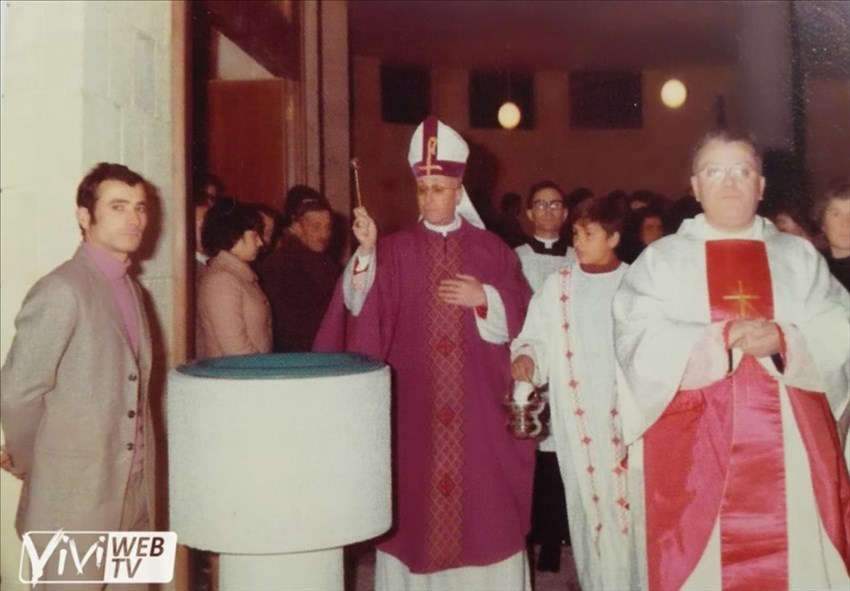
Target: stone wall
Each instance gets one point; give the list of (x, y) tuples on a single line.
[(83, 82)]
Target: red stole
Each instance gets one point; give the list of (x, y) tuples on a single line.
[(717, 452), (445, 366)]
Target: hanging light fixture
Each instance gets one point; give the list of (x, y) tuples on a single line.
[(509, 113), (674, 93)]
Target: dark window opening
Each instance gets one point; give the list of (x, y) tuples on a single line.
[(606, 100), (405, 94)]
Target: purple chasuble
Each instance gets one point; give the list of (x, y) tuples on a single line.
[(462, 483)]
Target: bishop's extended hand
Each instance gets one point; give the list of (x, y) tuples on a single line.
[(464, 291), (365, 230)]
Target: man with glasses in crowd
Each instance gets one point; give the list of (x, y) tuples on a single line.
[(543, 253), (733, 342)]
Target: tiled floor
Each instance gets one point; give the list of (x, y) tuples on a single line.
[(360, 571)]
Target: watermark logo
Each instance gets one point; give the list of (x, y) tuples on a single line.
[(98, 557)]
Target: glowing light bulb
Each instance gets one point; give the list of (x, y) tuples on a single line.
[(509, 115), (674, 93)]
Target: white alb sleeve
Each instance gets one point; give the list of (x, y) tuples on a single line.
[(357, 280), (493, 328)]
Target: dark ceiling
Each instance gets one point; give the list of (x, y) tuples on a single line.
[(607, 34)]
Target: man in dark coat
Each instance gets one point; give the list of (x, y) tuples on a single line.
[(299, 277)]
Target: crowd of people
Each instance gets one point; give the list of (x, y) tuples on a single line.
[(695, 356), (649, 215), (263, 278), (699, 398)]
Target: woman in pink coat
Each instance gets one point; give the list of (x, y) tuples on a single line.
[(234, 317)]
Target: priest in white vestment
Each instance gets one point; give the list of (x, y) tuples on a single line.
[(543, 253), (733, 342), (567, 340)]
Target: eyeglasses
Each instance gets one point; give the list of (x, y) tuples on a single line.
[(716, 173), (543, 205), (438, 190)]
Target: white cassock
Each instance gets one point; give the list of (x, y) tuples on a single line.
[(568, 332), (668, 349), (540, 258)]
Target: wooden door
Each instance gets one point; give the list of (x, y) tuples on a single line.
[(247, 138)]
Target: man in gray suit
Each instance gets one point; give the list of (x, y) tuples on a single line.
[(74, 389)]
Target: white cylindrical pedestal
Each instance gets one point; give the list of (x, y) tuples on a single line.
[(318, 571), (277, 461)]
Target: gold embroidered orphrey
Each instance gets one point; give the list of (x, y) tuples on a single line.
[(432, 151)]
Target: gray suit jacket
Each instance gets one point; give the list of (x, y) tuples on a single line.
[(68, 398)]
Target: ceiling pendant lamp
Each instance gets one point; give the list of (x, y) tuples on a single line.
[(509, 115), (674, 93)]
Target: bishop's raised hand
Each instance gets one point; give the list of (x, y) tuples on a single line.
[(365, 230)]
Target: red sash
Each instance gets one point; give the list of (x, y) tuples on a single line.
[(717, 452), (753, 526)]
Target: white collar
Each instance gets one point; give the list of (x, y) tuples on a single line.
[(699, 226), (444, 230), (547, 242)]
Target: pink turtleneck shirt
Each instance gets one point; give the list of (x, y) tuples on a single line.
[(115, 272)]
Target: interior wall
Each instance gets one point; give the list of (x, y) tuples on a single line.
[(657, 156), (827, 131), (335, 111), (83, 82)]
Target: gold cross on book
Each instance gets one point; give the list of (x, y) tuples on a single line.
[(743, 299)]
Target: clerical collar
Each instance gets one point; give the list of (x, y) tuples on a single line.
[(704, 228), (612, 265), (553, 247), (444, 230)]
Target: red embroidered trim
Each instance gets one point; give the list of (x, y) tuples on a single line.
[(616, 432), (358, 269)]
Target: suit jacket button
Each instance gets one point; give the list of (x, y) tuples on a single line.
[(131, 414), (133, 377), (129, 447)]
